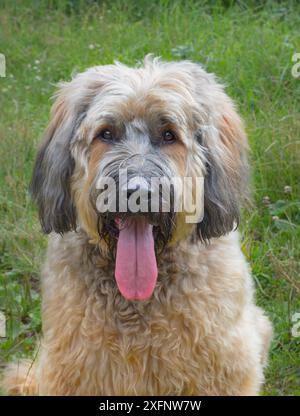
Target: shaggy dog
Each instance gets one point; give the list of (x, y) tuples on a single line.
[(144, 303)]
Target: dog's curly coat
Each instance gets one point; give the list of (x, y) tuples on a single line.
[(200, 332)]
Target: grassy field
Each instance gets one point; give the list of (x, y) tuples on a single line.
[(250, 48)]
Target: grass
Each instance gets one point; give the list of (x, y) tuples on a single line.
[(249, 47)]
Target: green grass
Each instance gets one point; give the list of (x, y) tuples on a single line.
[(250, 48)]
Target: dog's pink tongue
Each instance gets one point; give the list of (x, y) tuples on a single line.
[(136, 268)]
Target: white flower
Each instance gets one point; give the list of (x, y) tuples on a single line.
[(266, 200), (287, 189)]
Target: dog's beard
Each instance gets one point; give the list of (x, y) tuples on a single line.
[(134, 242), (163, 226)]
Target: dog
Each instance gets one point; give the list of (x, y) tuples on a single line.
[(137, 302)]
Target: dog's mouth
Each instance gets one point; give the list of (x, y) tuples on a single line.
[(135, 240), (136, 266)]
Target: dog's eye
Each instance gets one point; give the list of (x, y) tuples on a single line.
[(106, 135), (168, 136)]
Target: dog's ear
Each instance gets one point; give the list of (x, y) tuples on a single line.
[(226, 181), (50, 185), (54, 166)]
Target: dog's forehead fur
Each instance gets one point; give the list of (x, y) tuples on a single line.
[(181, 93)]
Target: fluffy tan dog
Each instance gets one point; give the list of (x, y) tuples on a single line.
[(135, 303)]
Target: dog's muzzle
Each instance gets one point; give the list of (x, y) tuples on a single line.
[(135, 217)]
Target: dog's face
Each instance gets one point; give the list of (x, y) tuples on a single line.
[(163, 120)]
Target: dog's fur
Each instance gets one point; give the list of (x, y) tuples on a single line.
[(200, 332)]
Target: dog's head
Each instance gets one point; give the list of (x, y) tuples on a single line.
[(116, 136)]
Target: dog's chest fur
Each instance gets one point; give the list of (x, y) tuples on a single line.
[(140, 347)]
